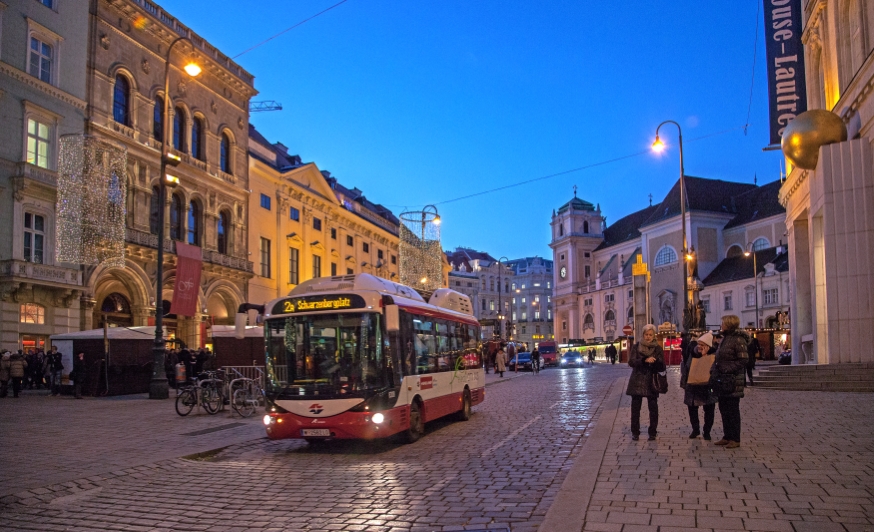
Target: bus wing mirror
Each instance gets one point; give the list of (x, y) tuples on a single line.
[(392, 318)]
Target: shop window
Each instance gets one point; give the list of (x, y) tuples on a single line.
[(32, 313)]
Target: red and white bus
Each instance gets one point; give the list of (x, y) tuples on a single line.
[(358, 356)]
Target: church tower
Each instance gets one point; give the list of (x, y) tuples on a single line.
[(577, 229)]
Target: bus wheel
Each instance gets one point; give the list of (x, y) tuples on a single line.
[(464, 413), (417, 425)]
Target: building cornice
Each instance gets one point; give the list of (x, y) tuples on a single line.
[(793, 182), (25, 78)]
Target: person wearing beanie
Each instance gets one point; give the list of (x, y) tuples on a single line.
[(697, 396)]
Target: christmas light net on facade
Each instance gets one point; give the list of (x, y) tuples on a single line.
[(92, 188), (421, 255)]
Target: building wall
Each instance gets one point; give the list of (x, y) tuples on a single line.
[(131, 43), (829, 223), (30, 188)]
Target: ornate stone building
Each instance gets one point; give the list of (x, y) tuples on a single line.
[(209, 132), (305, 224), (43, 58), (829, 207), (593, 261), (531, 300), (480, 276)]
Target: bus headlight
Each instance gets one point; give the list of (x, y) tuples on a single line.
[(378, 418), (268, 420)]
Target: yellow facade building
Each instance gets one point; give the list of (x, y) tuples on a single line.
[(304, 224)]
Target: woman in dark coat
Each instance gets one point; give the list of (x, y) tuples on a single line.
[(697, 396), (646, 359), (731, 361)]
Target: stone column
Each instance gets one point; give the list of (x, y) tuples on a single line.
[(800, 277), (86, 321)]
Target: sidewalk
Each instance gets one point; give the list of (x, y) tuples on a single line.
[(806, 464)]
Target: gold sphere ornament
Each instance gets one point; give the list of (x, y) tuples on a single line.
[(807, 132)]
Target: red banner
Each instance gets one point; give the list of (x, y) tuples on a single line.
[(186, 289)]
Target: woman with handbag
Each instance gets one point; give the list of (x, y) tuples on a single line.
[(697, 393), (727, 378), (646, 359)]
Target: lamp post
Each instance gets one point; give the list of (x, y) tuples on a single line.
[(500, 302), (747, 253), (158, 387), (658, 146)]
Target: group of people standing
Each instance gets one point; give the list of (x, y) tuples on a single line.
[(195, 362), (730, 365), (37, 370)]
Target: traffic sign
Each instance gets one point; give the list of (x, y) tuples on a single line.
[(627, 330)]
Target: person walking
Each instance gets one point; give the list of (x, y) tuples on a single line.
[(17, 371), (611, 353), (696, 396), (646, 359), (55, 367), (753, 349), (500, 362), (78, 374), (729, 366), (5, 364)]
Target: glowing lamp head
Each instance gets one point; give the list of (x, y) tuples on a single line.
[(746, 253), (689, 256), (437, 220), (423, 280), (192, 69), (658, 146)]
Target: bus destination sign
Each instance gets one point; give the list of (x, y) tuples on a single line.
[(293, 305)]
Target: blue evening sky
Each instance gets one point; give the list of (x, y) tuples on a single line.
[(422, 102)]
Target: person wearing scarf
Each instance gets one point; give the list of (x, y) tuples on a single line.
[(646, 359)]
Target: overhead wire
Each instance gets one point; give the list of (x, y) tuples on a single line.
[(286, 30)]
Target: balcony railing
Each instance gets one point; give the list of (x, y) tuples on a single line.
[(40, 272), (149, 240)]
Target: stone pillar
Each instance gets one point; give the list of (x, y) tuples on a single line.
[(86, 320), (800, 277)]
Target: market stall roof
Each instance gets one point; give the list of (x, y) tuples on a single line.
[(224, 331), (145, 332)]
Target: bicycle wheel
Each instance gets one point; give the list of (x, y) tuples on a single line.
[(244, 402), (211, 399), (185, 401)]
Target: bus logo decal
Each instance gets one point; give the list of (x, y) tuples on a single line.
[(316, 408), (426, 383)]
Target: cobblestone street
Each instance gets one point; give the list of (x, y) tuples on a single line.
[(503, 468)]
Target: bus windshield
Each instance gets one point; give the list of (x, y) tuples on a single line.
[(325, 354)]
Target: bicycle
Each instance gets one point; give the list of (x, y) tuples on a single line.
[(246, 396), (206, 393)]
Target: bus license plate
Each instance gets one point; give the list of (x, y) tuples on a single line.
[(324, 433)]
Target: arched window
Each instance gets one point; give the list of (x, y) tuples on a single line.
[(223, 231), (153, 211), (225, 154), (734, 251), (586, 227), (176, 214), (197, 139), (115, 302), (630, 315), (760, 244), (158, 119), (588, 322), (610, 316), (193, 224), (179, 129), (852, 45), (666, 255), (121, 100), (560, 229)]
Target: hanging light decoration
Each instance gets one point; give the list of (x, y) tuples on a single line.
[(92, 188), (420, 252)]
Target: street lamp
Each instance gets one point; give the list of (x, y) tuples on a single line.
[(158, 387), (750, 251), (500, 303), (658, 146)]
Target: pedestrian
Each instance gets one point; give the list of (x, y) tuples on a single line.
[(55, 367), (646, 359), (17, 371), (5, 365), (753, 349), (729, 366), (697, 396), (78, 374), (500, 362), (611, 353)]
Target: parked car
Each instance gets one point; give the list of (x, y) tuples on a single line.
[(571, 358), (524, 359)]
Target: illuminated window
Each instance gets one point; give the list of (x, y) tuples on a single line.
[(32, 313), (760, 244), (293, 266), (265, 257), (38, 143), (666, 255), (317, 266)]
